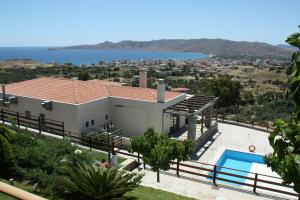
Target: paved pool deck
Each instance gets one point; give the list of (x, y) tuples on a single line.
[(235, 138), (229, 137), (198, 188)]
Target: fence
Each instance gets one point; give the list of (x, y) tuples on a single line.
[(212, 173), (38, 123), (106, 141), (253, 180), (248, 124)]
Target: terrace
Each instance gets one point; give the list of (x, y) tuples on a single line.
[(196, 178)]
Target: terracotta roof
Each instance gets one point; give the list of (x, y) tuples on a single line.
[(78, 92), (143, 94), (182, 89)]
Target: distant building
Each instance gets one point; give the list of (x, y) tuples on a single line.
[(135, 80)]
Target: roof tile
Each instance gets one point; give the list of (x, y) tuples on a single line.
[(78, 92)]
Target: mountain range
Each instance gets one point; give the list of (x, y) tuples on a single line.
[(219, 47), (286, 46)]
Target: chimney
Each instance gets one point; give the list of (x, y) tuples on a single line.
[(161, 91), (143, 78)]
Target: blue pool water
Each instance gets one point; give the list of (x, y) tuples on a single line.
[(239, 161)]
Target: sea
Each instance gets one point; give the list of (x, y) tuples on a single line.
[(78, 57)]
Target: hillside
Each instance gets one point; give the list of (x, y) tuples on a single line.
[(209, 46), (286, 46)]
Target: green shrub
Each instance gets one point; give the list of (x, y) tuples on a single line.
[(85, 181), (39, 159), (6, 153)]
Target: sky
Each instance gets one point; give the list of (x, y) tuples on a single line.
[(73, 22)]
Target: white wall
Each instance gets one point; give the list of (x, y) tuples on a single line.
[(132, 116), (94, 110), (162, 125), (181, 121), (60, 111)]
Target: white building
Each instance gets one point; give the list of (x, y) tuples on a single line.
[(83, 105)]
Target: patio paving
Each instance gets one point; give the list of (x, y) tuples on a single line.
[(229, 137)]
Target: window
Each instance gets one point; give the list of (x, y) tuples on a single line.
[(42, 118), (87, 124), (92, 122), (27, 113)]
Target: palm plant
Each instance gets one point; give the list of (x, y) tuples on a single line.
[(84, 181)]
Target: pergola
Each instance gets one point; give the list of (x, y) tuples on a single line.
[(191, 108)]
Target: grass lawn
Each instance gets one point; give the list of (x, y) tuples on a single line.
[(5, 197), (140, 193), (23, 186), (148, 193)]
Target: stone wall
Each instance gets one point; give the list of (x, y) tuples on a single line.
[(206, 136)]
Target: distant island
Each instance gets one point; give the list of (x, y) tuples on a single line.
[(219, 47)]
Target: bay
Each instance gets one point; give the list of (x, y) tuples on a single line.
[(42, 54)]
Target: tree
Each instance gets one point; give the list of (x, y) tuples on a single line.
[(223, 86), (158, 150), (83, 75), (247, 97), (6, 153), (83, 181), (293, 72), (226, 89), (285, 139)]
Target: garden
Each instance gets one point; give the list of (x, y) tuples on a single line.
[(57, 169)]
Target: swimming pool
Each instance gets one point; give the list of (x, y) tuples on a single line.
[(239, 161)]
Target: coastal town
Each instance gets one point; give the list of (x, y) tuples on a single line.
[(150, 100)]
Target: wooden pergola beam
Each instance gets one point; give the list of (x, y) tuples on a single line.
[(192, 105)]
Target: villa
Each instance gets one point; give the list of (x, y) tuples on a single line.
[(84, 106)]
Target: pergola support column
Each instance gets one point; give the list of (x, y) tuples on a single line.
[(208, 116), (192, 127), (202, 120)]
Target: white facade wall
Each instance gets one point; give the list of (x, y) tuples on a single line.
[(94, 110), (162, 125), (132, 116), (60, 111), (182, 121)]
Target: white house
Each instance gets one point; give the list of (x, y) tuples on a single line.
[(83, 105)]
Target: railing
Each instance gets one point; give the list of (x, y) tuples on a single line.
[(213, 172), (252, 124), (57, 128), (34, 122), (106, 141)]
